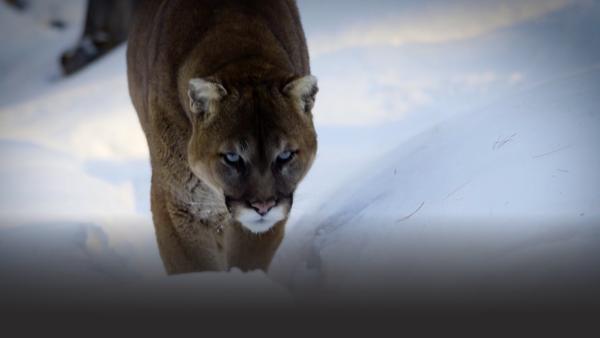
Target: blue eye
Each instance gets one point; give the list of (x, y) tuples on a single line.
[(232, 157), (285, 156)]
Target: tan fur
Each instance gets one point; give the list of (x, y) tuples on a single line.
[(207, 78)]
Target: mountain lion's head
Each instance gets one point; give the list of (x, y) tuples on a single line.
[(252, 144)]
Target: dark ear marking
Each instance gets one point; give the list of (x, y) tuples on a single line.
[(303, 91)]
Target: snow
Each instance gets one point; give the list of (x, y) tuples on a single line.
[(452, 157), (509, 193)]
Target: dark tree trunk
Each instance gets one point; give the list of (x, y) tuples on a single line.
[(19, 4), (106, 26)]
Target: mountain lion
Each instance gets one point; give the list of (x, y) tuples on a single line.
[(224, 95)]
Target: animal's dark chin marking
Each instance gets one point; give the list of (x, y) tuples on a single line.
[(227, 202)]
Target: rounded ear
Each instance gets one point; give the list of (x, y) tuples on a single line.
[(303, 91), (204, 95)]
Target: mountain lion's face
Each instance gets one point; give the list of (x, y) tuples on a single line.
[(253, 145)]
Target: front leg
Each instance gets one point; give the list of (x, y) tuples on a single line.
[(201, 240), (184, 245), (174, 258)]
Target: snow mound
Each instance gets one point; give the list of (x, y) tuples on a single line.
[(506, 196)]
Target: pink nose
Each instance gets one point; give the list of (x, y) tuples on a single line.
[(263, 207)]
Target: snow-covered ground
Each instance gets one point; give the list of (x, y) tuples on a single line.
[(458, 146)]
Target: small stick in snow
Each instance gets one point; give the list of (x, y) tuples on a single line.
[(552, 152), (411, 214), (500, 143), (457, 189)]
